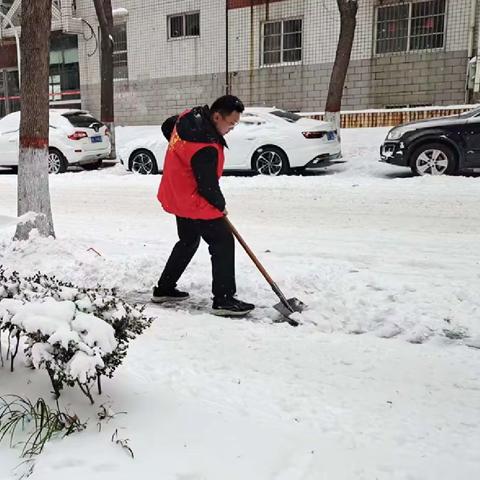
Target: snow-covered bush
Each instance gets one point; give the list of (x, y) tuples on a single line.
[(75, 334)]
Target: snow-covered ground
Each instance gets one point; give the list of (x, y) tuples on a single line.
[(382, 381)]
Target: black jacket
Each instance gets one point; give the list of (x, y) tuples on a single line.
[(196, 126)]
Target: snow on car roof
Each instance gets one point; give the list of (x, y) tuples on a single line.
[(260, 109), (67, 111)]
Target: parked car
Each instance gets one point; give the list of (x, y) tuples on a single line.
[(75, 138), (438, 146), (268, 141)]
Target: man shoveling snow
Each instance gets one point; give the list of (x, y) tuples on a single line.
[(190, 190)]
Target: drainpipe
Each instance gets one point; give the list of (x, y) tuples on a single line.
[(471, 30), (251, 60), (227, 46), (471, 39), (476, 87)]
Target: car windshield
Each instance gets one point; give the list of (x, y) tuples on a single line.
[(287, 116), (81, 119), (250, 119), (10, 122)]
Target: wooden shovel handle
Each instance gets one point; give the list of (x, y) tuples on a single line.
[(260, 267), (247, 249)]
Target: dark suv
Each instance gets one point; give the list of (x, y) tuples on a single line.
[(435, 146)]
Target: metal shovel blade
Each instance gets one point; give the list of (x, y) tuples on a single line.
[(294, 305)]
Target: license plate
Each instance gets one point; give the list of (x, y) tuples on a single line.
[(97, 139), (331, 136)]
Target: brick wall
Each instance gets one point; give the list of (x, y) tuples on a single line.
[(436, 79), (142, 102)]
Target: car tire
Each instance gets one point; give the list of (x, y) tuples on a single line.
[(271, 161), (143, 162), (298, 170), (434, 159), (93, 166), (57, 163)]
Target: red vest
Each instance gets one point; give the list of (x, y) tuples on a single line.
[(178, 187)]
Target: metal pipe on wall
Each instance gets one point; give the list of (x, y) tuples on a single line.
[(476, 87), (472, 25), (471, 40), (227, 71)]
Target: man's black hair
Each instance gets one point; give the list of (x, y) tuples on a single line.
[(226, 105)]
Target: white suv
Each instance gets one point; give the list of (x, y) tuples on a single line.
[(75, 138)]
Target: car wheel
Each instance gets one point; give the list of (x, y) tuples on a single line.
[(298, 170), (434, 159), (270, 161), (143, 162), (57, 163), (93, 166)]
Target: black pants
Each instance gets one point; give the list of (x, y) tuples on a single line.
[(221, 246)]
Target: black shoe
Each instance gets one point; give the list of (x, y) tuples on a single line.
[(230, 307), (170, 295)]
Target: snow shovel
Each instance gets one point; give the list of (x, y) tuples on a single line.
[(285, 307)]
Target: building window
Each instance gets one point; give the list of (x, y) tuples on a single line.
[(428, 25), (64, 71), (120, 56), (55, 88), (185, 25), (282, 42), (411, 26)]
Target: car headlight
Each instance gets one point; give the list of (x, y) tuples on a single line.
[(398, 132)]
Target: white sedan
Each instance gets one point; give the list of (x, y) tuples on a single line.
[(75, 138), (268, 141)]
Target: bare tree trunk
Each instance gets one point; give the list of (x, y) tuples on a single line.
[(348, 17), (105, 19), (33, 187)]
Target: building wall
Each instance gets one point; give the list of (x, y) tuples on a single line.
[(166, 76), (436, 77)]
